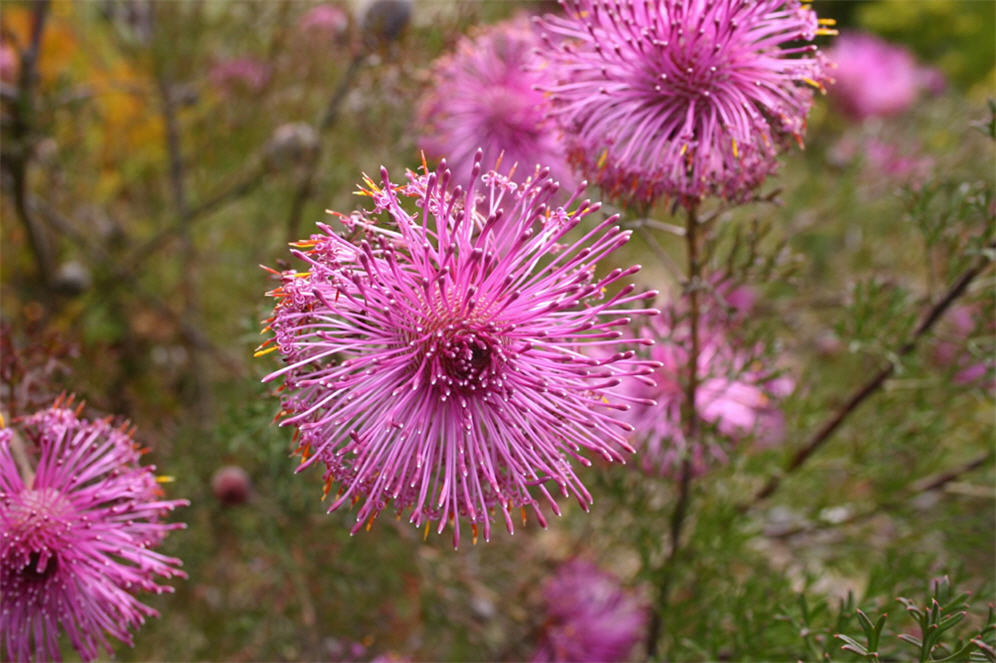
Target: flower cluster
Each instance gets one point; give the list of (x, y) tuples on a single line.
[(681, 98), (240, 75), (77, 533), (961, 346), (734, 395), (483, 95), (590, 616), (873, 78), (436, 357)]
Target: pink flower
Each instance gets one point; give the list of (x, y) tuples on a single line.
[(883, 159), (735, 396), (680, 98), (9, 63), (874, 78), (243, 75), (952, 349), (482, 95), (76, 542), (326, 21), (590, 617), (434, 353)]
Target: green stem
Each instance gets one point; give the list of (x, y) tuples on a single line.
[(690, 428)]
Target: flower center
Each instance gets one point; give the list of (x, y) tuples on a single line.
[(37, 519), (465, 360), (36, 571)]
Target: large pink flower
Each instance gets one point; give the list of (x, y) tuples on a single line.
[(483, 95), (434, 356), (680, 98), (77, 538)]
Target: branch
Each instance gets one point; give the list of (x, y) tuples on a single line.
[(239, 189), (824, 433), (925, 485), (21, 130), (325, 122), (690, 426), (659, 251), (98, 255)]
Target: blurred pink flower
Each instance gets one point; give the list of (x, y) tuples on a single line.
[(240, 75), (590, 616), (9, 63), (874, 78), (883, 159), (932, 80), (951, 348), (328, 21), (77, 538), (483, 96), (735, 395)]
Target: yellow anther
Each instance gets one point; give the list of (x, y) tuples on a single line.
[(736, 152), (265, 351), (603, 158), (815, 84), (827, 21), (165, 478)]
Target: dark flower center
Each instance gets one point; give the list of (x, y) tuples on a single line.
[(36, 572)]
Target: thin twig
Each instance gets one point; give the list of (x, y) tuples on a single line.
[(925, 485), (659, 251), (238, 189), (825, 431), (98, 254), (325, 122), (657, 225), (201, 396), (21, 129)]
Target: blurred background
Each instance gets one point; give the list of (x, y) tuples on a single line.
[(156, 153)]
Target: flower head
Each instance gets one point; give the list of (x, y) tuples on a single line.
[(873, 78), (328, 21), (243, 74), (964, 345), (590, 616), (435, 357), (681, 98), (734, 396), (483, 96), (77, 537)]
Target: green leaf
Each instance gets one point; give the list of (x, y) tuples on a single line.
[(951, 620), (852, 644)]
